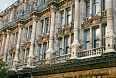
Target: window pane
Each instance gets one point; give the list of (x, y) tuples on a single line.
[(68, 16), (66, 45), (104, 5), (44, 49), (95, 7), (96, 37), (87, 35), (87, 8), (60, 47), (87, 46), (62, 19), (87, 39)]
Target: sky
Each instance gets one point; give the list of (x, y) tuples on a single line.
[(5, 3)]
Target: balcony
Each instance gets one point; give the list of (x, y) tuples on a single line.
[(61, 59), (103, 14), (91, 53)]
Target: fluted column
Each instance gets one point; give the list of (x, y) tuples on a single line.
[(6, 46), (110, 36), (76, 43), (3, 43), (50, 51), (16, 59), (32, 46)]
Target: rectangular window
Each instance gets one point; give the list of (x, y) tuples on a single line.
[(62, 19), (87, 8), (68, 16), (95, 7), (87, 39), (30, 31), (44, 50), (42, 24), (104, 5), (72, 37), (73, 14), (39, 51), (47, 25), (66, 44), (96, 37), (60, 47)]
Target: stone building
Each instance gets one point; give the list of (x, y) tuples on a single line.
[(59, 38)]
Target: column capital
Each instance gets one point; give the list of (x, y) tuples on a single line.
[(53, 8), (8, 32), (3, 33), (35, 18), (20, 25)]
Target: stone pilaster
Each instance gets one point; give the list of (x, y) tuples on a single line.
[(91, 38), (41, 52), (32, 46), (50, 51), (76, 43), (91, 8), (16, 58), (100, 7), (110, 36), (6, 46), (3, 43), (1, 22), (26, 6), (100, 39), (63, 48)]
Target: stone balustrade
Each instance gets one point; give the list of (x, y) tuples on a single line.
[(104, 13), (91, 53), (60, 59)]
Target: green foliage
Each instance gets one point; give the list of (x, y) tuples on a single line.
[(4, 73)]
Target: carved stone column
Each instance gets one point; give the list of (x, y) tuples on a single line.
[(6, 46), (50, 51), (3, 43), (75, 43), (16, 58), (110, 36), (32, 46)]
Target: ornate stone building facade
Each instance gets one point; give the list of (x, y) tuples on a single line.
[(59, 38)]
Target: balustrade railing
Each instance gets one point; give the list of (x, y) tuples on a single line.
[(60, 59), (91, 53), (104, 13)]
